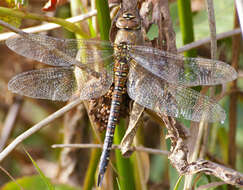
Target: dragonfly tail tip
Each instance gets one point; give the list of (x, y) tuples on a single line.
[(100, 179)]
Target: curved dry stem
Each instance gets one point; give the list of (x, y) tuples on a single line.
[(135, 148), (10, 121), (6, 12), (49, 26), (207, 40), (37, 127)]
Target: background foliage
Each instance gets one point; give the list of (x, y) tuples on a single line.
[(156, 168)]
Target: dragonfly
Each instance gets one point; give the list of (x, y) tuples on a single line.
[(155, 79)]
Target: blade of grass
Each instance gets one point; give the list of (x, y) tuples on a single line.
[(178, 183), (45, 179), (90, 173), (104, 21), (76, 8), (124, 165), (20, 14), (118, 184), (186, 24), (186, 27), (232, 147), (11, 177), (138, 158)]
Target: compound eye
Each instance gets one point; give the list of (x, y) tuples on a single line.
[(128, 16)]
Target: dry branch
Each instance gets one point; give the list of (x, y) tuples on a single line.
[(135, 148), (10, 121), (37, 127), (179, 157), (203, 41)]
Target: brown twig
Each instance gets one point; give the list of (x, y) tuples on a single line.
[(179, 154), (228, 175), (207, 40), (135, 148), (37, 127), (51, 26), (11, 177), (211, 185), (212, 27), (202, 133), (9, 121), (233, 100), (239, 7)]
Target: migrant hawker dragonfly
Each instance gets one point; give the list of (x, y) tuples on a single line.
[(155, 79)]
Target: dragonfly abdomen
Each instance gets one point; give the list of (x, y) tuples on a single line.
[(120, 77)]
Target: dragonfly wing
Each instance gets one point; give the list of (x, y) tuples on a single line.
[(173, 100), (181, 70), (59, 52), (59, 84)]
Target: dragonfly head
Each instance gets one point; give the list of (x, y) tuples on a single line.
[(126, 26), (128, 20)]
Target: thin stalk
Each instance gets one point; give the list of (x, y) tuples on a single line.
[(239, 7), (76, 9), (138, 161), (233, 100), (104, 21), (186, 24), (124, 165), (206, 40), (25, 15), (90, 173), (37, 127), (114, 146), (9, 122), (212, 26)]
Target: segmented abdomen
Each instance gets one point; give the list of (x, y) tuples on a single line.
[(121, 71)]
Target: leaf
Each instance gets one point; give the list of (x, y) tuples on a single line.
[(51, 5), (16, 3), (44, 178), (15, 21), (127, 140), (103, 16), (174, 176), (123, 165), (34, 183), (158, 168), (153, 32), (178, 183), (224, 16)]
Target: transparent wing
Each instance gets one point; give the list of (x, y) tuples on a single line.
[(181, 70), (178, 101), (59, 52), (59, 84)]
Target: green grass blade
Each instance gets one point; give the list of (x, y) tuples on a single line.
[(186, 24), (45, 179), (90, 173), (104, 21), (178, 183), (7, 12), (124, 165)]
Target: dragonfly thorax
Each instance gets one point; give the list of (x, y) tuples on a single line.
[(122, 51), (129, 37)]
